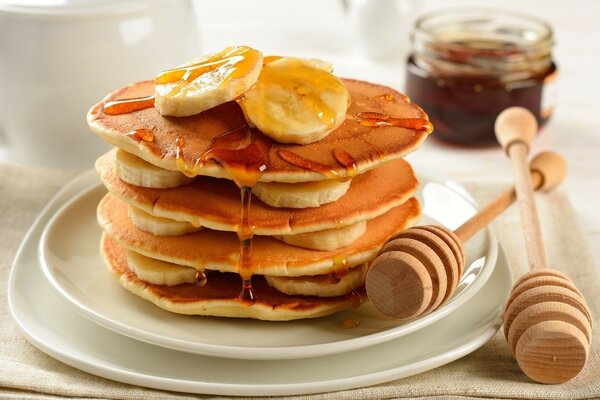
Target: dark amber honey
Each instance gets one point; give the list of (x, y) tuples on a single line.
[(463, 109)]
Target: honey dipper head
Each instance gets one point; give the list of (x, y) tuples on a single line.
[(515, 124), (552, 352), (552, 167), (548, 326), (417, 270), (398, 285)]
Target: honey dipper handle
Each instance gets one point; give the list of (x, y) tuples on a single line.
[(515, 129), (527, 208), (548, 170), (492, 210)]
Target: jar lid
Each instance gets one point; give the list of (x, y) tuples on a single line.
[(72, 7)]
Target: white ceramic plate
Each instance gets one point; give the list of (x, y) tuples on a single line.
[(52, 325), (70, 259)]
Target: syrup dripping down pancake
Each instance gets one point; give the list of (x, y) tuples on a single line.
[(219, 297), (369, 146), (215, 203), (216, 250)]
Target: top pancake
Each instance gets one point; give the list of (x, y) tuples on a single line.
[(368, 146)]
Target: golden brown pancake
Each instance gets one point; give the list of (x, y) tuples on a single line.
[(215, 203), (217, 250), (219, 297), (368, 146)]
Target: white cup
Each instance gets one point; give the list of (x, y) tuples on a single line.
[(59, 57)]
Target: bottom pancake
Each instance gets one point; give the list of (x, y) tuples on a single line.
[(219, 297)]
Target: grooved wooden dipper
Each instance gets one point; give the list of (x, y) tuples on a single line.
[(418, 269), (547, 322)]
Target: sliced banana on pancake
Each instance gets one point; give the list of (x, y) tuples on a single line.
[(219, 296), (320, 285), (159, 272), (159, 226), (296, 101), (315, 62), (138, 172), (300, 195), (329, 239), (207, 81)]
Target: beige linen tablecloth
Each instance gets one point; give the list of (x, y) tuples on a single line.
[(490, 372)]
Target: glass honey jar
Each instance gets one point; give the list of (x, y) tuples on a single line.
[(466, 66)]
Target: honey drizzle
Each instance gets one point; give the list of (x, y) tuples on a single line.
[(349, 323), (355, 298), (375, 119), (306, 164), (244, 153), (387, 97), (126, 106), (145, 135), (347, 161), (201, 279), (340, 269), (245, 235), (270, 59), (232, 63)]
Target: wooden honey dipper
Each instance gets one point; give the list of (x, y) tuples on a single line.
[(547, 322), (418, 269)]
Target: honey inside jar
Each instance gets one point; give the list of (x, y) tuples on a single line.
[(468, 66)]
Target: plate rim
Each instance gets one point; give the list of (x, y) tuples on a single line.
[(90, 183)]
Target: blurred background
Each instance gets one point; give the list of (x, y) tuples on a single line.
[(335, 30), (87, 48)]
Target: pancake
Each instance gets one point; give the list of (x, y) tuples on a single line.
[(215, 203), (217, 250), (368, 146), (329, 239), (219, 297), (321, 285), (153, 271)]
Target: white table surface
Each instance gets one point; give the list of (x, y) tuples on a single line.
[(321, 28)]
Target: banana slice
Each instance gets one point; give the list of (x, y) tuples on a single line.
[(300, 195), (207, 81), (159, 272), (159, 226), (315, 62), (329, 239), (138, 172), (319, 285), (296, 101)]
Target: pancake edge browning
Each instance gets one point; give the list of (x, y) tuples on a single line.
[(290, 308), (166, 158), (280, 221), (278, 258)]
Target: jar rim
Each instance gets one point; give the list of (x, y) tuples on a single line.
[(546, 35), (482, 43)]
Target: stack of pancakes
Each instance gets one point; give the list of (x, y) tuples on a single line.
[(319, 212)]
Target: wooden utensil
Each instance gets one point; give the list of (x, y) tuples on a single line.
[(419, 269), (547, 322)]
